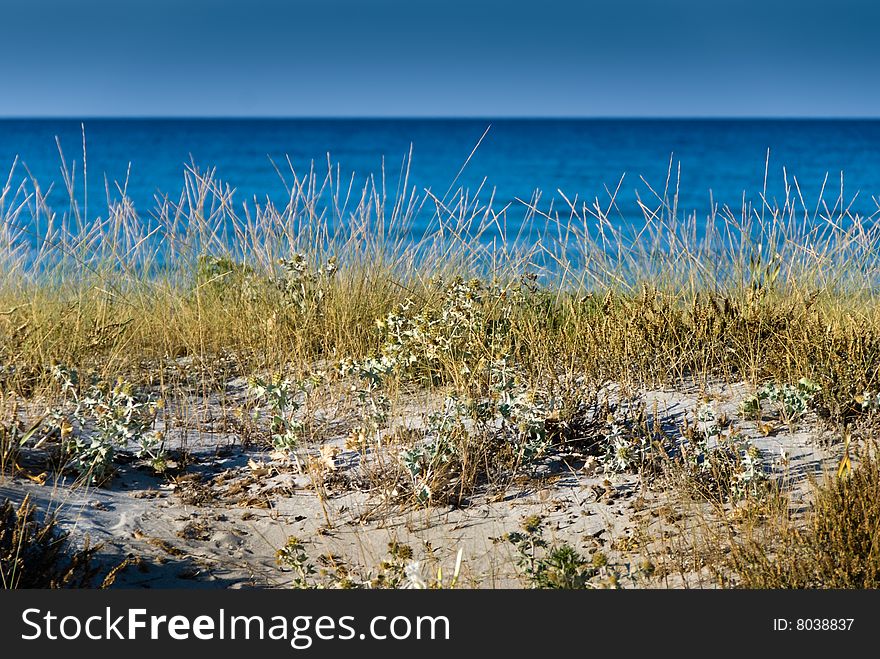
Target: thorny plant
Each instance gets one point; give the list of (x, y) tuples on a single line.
[(709, 454), (730, 469), (632, 442), (292, 556), (106, 418), (373, 405), (556, 565), (302, 287), (793, 401), (509, 422), (498, 413), (717, 461), (460, 323), (285, 399)]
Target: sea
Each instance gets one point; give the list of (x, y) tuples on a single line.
[(702, 164)]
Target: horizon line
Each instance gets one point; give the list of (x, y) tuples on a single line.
[(416, 117)]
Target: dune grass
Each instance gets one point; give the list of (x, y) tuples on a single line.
[(35, 553), (774, 292)]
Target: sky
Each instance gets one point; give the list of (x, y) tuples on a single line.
[(482, 58)]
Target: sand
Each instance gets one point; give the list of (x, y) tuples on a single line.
[(219, 523)]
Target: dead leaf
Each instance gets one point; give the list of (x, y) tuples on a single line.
[(39, 479), (259, 469), (328, 456), (766, 429)]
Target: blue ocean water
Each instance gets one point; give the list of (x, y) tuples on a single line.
[(583, 158)]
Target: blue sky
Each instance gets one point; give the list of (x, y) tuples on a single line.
[(439, 58)]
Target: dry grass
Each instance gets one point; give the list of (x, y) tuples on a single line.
[(770, 293), (835, 544), (35, 553)]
